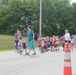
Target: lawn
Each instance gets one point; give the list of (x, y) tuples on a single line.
[(7, 43)]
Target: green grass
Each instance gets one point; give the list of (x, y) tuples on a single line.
[(7, 43)]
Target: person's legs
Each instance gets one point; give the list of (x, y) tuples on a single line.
[(31, 46), (16, 44), (42, 49), (39, 47), (57, 47), (75, 45), (63, 45), (20, 49), (24, 48), (51, 48), (69, 44)]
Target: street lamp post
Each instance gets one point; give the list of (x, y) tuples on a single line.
[(40, 27)]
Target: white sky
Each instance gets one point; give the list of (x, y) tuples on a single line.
[(73, 0)]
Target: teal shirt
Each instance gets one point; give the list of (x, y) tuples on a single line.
[(30, 34)]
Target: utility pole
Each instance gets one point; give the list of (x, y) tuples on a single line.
[(40, 24)]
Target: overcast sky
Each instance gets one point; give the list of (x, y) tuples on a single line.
[(73, 0)]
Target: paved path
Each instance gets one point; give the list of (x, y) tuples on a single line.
[(50, 63)]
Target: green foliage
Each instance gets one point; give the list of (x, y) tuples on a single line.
[(58, 15)]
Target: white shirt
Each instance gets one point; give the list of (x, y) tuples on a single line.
[(67, 36)]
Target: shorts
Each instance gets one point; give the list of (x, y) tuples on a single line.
[(39, 45), (45, 47), (51, 44), (24, 46), (48, 45), (31, 44), (63, 45)]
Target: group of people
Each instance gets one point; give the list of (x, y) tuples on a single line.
[(70, 39), (21, 44), (53, 43), (44, 43), (47, 43)]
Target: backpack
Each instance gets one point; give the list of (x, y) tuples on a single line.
[(35, 36)]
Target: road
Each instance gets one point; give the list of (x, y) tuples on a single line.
[(49, 63)]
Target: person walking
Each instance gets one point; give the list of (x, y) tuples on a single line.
[(31, 39)]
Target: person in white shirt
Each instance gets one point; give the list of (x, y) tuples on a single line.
[(67, 36)]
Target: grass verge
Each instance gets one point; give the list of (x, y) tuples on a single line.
[(7, 43)]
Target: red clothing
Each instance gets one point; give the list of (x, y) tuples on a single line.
[(39, 42), (54, 42)]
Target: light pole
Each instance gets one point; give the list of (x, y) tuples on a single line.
[(40, 24)]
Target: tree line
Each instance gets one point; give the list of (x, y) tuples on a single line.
[(58, 15)]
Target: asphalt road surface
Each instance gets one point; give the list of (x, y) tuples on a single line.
[(49, 63)]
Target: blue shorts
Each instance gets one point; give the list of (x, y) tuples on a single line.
[(31, 44), (49, 45)]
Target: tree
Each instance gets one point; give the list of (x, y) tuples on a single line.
[(58, 15)]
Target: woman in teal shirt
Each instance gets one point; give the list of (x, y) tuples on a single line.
[(31, 39)]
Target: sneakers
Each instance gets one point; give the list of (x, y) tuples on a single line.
[(42, 51), (34, 54), (26, 53)]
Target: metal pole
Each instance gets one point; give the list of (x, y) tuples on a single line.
[(40, 27)]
